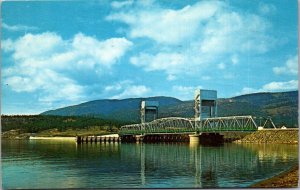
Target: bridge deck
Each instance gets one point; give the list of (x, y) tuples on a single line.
[(173, 125)]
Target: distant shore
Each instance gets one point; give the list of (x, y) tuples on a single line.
[(53, 138), (50, 133), (287, 179)]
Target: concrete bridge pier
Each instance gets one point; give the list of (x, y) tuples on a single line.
[(206, 139), (139, 138), (194, 139), (211, 138)]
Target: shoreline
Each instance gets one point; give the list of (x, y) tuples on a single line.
[(286, 179)]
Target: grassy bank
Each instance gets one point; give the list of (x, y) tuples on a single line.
[(286, 179)]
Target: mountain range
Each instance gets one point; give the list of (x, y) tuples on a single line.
[(282, 107)]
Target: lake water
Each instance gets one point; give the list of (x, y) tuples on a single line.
[(58, 164)]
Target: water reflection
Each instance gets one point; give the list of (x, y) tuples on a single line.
[(68, 165)]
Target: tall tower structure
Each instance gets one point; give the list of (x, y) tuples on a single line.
[(149, 111), (205, 104)]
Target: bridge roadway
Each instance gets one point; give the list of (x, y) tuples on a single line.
[(177, 125)]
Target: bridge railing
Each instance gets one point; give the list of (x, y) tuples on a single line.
[(234, 123), (182, 125), (163, 125)]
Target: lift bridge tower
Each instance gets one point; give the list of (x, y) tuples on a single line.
[(205, 104), (149, 111)]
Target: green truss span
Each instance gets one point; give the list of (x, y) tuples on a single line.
[(173, 125)]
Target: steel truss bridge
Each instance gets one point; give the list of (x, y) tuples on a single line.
[(173, 125)]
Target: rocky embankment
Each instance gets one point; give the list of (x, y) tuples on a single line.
[(288, 179), (288, 136)]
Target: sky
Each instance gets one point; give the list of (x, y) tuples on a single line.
[(60, 53)]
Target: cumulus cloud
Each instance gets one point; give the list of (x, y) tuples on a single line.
[(178, 24), (46, 80), (236, 32), (290, 67), (272, 87), (44, 63), (169, 62), (126, 89), (185, 92), (281, 86), (190, 38)]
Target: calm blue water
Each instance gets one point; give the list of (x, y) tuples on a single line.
[(57, 164)]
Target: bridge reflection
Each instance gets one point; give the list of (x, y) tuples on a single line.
[(207, 165), (179, 165)]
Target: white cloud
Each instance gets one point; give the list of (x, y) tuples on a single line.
[(272, 87), (281, 86), (266, 9), (126, 89), (113, 87), (167, 25), (51, 67), (221, 66), (49, 49), (133, 91), (185, 88), (185, 92), (7, 45), (104, 52), (64, 89), (118, 86), (291, 67), (170, 62), (16, 28), (233, 32), (120, 4), (54, 86), (247, 90), (37, 46), (171, 77), (189, 39)]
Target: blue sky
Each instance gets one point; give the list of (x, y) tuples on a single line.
[(56, 54)]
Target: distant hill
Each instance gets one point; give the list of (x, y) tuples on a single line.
[(281, 106), (120, 109)]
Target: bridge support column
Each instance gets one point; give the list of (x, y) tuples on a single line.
[(211, 139), (194, 139), (139, 138)]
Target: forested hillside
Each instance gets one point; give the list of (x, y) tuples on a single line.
[(282, 107)]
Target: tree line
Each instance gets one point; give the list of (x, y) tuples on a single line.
[(37, 123)]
